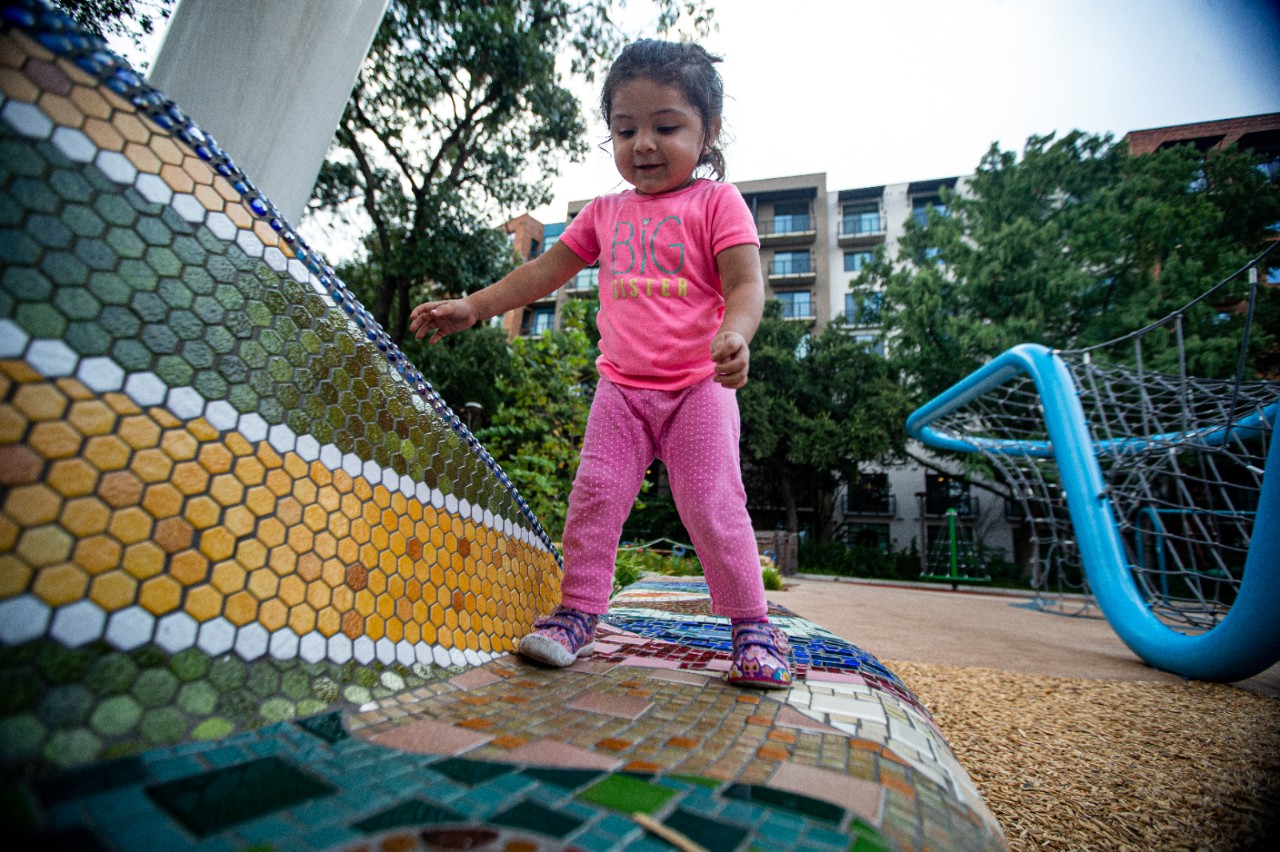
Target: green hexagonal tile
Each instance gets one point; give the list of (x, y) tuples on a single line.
[(154, 687), (116, 716)]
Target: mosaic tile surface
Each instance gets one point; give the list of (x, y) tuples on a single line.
[(258, 584)]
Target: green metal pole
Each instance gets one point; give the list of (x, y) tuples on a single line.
[(951, 533)]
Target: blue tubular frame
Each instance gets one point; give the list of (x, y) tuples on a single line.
[(1246, 641)]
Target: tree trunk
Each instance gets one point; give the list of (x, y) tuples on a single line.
[(789, 501)]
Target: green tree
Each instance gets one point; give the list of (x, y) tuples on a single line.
[(121, 19), (815, 411), (460, 114), (537, 429), (1072, 244)]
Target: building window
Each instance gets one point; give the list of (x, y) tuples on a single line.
[(796, 304), (791, 217), (870, 495), (920, 208), (534, 247), (542, 320), (855, 260), (942, 492), (870, 536), (863, 307), (790, 263), (585, 281), (859, 219), (872, 342)]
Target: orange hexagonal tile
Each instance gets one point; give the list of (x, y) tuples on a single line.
[(162, 500), (385, 606), (131, 524), (228, 577), (198, 171), (309, 567), (263, 583), (293, 590), (189, 567), (84, 516), (140, 431), (296, 467), (177, 179), (173, 534), (40, 402), (14, 576), (17, 87), (344, 598), (203, 603), (60, 441), (240, 608), (280, 482), (98, 553), (31, 505), (217, 544), (107, 452), (160, 595), (144, 559), (328, 621), (90, 102), (142, 157), (318, 595), (239, 520), (302, 619), (260, 501), (251, 554), (271, 532), (215, 458), (304, 491), (61, 584), (92, 417), (300, 539), (190, 478), (283, 560), (365, 602), (250, 471), (226, 489), (209, 198), (179, 444), (152, 465), (238, 444), (273, 614), (202, 512), (113, 590)]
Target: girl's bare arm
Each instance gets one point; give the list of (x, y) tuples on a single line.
[(743, 287)]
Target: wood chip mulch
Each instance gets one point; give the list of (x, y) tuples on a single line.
[(1071, 763)]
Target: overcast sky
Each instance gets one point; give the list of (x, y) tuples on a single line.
[(886, 91)]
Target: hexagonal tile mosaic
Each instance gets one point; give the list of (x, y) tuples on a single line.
[(257, 582)]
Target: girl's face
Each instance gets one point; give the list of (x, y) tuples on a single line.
[(658, 136)]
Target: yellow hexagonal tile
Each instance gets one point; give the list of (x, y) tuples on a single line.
[(98, 553), (260, 500), (293, 590), (40, 401), (273, 614), (85, 516), (279, 482), (201, 512), (251, 554), (250, 471), (204, 603), (32, 505), (264, 583), (228, 577), (226, 489), (302, 619), (365, 602), (152, 465), (361, 488), (160, 595), (189, 567), (113, 590), (215, 458), (344, 598), (131, 524), (15, 574), (92, 417), (217, 544), (44, 545), (328, 621), (140, 432), (239, 520), (179, 444), (238, 445), (61, 584), (107, 452), (143, 559), (305, 491), (240, 608), (301, 539), (283, 560), (190, 478), (59, 440), (374, 627)]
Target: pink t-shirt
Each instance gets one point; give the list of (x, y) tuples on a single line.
[(661, 300)]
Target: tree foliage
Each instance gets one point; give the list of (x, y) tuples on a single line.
[(814, 411), (537, 429), (119, 19), (460, 116), (1073, 244)]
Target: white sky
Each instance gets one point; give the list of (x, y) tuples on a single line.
[(887, 91)]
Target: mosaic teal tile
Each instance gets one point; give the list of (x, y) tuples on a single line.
[(716, 836), (215, 800), (327, 727), (785, 800), (536, 818), (470, 772)]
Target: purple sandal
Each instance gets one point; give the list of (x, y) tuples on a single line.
[(759, 657)]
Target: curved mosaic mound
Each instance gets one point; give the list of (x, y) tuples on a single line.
[(227, 498), (258, 583)]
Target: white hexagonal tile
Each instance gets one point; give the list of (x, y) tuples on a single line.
[(176, 632), (284, 644), (385, 650), (313, 647), (27, 119), (130, 628), (221, 415), (145, 388), (340, 648), (116, 166), (74, 145), (221, 226), (456, 657), (252, 427), (281, 438), (363, 650), (275, 259), (153, 188), (13, 340), (422, 653), (440, 655), (372, 472), (23, 619), (101, 374), (250, 244), (307, 448), (216, 637), (186, 403), (251, 641), (331, 456), (351, 464), (78, 623), (53, 358), (189, 208)]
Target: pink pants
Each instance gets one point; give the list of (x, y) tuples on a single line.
[(695, 433)]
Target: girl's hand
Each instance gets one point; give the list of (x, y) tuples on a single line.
[(441, 318), (732, 357)]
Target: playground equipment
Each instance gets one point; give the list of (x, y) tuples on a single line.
[(954, 559), (1146, 488)]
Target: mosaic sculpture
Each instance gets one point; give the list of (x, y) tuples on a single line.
[(258, 585)]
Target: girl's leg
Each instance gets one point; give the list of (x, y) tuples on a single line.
[(700, 448), (616, 450)]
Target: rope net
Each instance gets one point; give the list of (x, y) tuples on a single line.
[(1182, 458)]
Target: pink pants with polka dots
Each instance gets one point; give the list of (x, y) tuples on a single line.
[(695, 433)]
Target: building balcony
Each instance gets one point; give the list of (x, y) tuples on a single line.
[(788, 231), (936, 506), (792, 270), (879, 505), (861, 233)]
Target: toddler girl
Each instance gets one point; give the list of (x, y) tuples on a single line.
[(681, 296)]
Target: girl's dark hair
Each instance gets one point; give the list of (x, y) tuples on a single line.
[(681, 65)]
